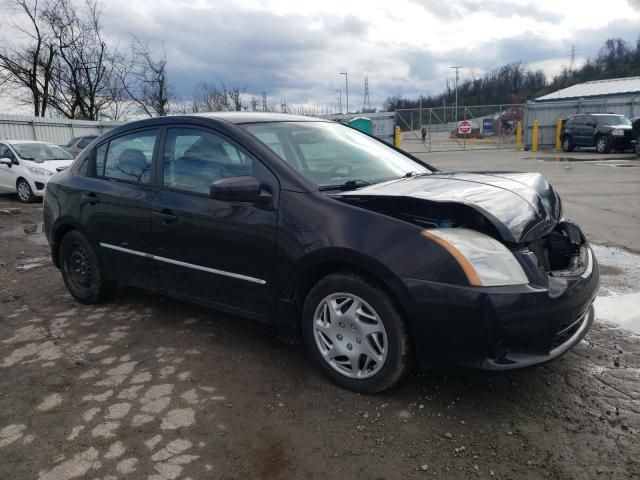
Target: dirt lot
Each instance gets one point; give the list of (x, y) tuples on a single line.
[(145, 387)]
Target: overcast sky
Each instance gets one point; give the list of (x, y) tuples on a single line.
[(296, 49)]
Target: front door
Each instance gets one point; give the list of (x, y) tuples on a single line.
[(217, 251), (8, 175), (116, 205)]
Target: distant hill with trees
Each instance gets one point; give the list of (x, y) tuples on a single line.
[(515, 83)]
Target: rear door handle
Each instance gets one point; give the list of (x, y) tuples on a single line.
[(90, 197), (165, 215)]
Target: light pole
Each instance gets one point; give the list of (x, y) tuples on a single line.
[(340, 99), (456, 68), (346, 80)]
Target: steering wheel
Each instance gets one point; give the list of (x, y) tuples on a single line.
[(339, 166)]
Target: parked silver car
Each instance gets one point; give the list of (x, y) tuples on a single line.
[(77, 144)]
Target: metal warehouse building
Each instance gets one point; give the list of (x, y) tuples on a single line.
[(617, 95)]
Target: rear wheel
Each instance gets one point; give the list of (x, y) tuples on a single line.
[(355, 333), (25, 194), (567, 144), (81, 270), (602, 144)]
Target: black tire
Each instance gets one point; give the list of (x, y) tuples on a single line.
[(81, 270), (602, 144), (636, 148), (25, 194), (567, 144), (396, 364)]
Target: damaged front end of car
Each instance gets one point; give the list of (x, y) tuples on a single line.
[(531, 275)]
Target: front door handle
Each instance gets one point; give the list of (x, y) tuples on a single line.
[(90, 197), (166, 216)]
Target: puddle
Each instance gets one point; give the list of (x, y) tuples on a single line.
[(621, 309), (619, 299)]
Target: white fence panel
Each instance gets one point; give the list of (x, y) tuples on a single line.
[(54, 130)]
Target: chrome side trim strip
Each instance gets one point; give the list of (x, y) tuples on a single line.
[(238, 276)]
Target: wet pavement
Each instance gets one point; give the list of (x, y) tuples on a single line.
[(146, 387)]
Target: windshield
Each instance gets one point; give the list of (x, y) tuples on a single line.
[(329, 154), (613, 120), (40, 152)]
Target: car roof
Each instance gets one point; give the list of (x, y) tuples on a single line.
[(254, 117), (26, 141)]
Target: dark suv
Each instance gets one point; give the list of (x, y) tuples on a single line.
[(603, 131)]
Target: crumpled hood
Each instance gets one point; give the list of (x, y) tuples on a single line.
[(521, 206)]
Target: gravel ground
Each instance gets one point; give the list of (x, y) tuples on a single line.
[(146, 387)]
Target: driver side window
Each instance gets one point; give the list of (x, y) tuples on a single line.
[(5, 152), (194, 159)]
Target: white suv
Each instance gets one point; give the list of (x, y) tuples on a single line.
[(26, 166)]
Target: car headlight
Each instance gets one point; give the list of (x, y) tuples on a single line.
[(617, 132), (485, 261), (39, 171)]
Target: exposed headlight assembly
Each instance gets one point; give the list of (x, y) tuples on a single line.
[(39, 171), (485, 261), (618, 132)]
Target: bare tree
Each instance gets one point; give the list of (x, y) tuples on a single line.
[(30, 67), (145, 80), (209, 98), (84, 66)]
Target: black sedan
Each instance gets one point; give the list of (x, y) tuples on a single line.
[(376, 259)]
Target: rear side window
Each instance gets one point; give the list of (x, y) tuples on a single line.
[(194, 159), (128, 157), (579, 120)]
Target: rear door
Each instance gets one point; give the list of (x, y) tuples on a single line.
[(221, 252), (116, 204)]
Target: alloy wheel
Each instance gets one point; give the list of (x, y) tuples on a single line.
[(350, 335), (24, 191), (601, 145)]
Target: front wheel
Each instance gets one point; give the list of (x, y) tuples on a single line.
[(602, 144), (636, 148), (355, 333), (25, 194), (81, 270)]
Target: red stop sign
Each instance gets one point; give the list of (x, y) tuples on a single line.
[(464, 126)]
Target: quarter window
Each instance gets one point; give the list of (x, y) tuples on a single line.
[(128, 157), (194, 159)]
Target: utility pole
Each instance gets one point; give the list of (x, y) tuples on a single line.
[(346, 80), (456, 68), (264, 101), (340, 99)]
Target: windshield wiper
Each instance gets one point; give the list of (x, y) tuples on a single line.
[(348, 185)]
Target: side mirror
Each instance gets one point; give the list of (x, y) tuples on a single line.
[(590, 124), (6, 161), (239, 189)]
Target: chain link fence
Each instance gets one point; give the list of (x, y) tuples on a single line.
[(438, 129)]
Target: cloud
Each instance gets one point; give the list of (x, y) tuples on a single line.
[(634, 4), (503, 9)]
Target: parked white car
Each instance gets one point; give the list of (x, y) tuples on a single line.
[(26, 166)]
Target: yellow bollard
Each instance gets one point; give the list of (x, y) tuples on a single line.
[(519, 136), (558, 132), (396, 140), (534, 137)]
